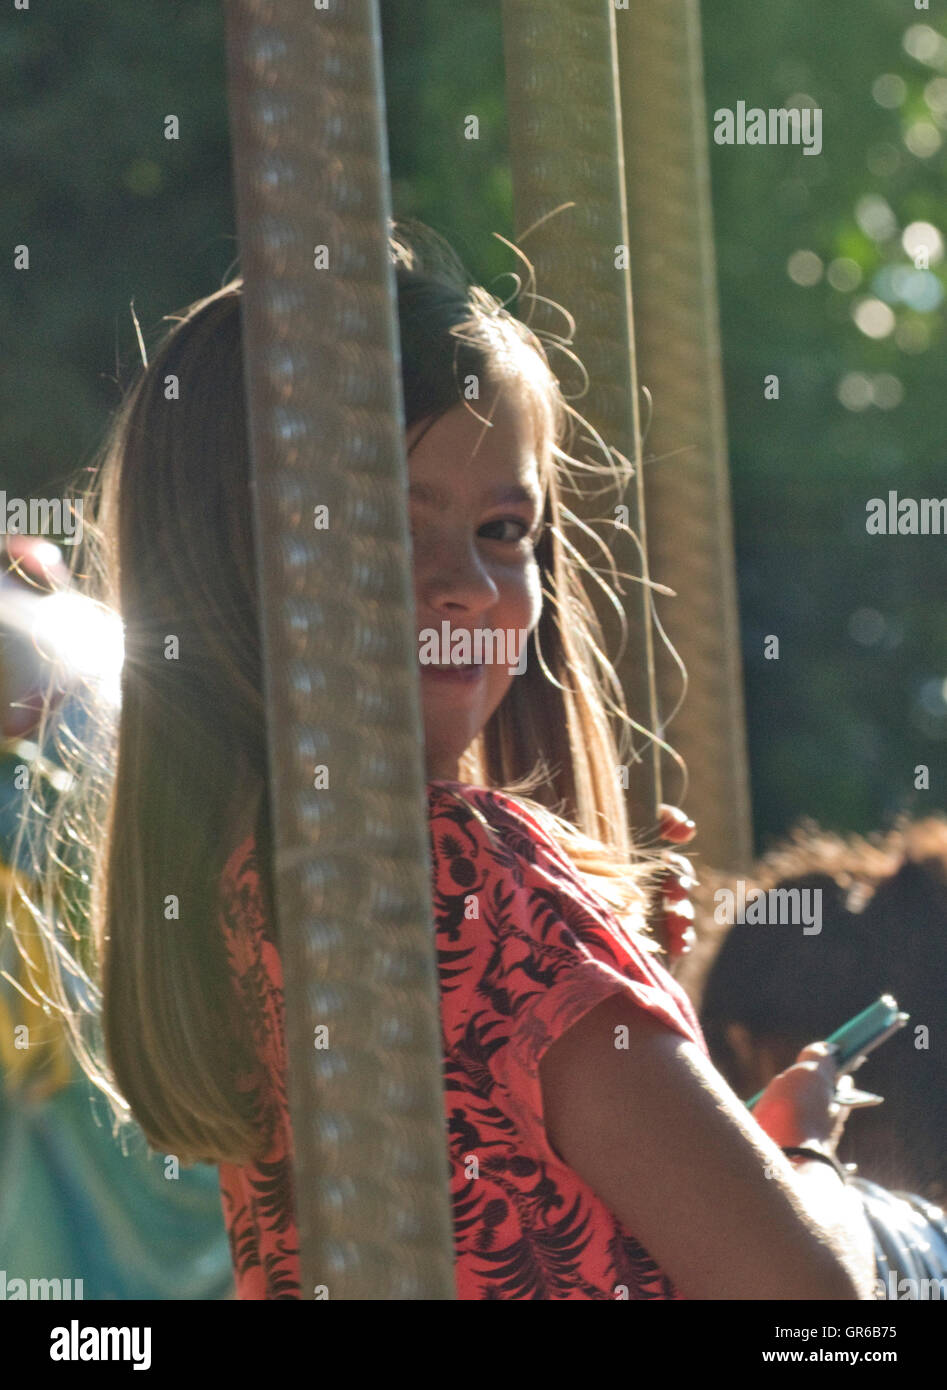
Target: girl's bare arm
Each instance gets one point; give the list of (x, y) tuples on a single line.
[(657, 1133)]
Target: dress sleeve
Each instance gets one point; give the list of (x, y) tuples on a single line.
[(533, 950)]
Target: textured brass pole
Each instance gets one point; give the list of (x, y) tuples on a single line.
[(352, 865), (566, 147), (686, 470)]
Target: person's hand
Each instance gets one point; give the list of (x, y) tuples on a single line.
[(677, 882), (799, 1106)]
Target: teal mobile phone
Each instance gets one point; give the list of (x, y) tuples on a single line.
[(862, 1034)]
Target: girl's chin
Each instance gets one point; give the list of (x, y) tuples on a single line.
[(440, 772), (442, 757)]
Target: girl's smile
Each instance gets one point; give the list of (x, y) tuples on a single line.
[(458, 675), (476, 506)]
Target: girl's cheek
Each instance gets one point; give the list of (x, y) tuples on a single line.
[(534, 594), (520, 589)]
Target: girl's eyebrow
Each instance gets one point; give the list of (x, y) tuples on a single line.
[(427, 492)]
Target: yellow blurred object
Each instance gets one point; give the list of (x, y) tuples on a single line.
[(35, 1056)]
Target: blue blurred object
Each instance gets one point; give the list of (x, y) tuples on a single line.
[(73, 1204)]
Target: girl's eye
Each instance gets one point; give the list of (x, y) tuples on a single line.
[(508, 521)]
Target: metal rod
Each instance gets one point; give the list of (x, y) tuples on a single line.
[(687, 486), (566, 147), (352, 870)]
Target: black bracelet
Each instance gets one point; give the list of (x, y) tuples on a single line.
[(800, 1151)]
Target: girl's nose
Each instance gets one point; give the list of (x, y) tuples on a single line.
[(455, 578)]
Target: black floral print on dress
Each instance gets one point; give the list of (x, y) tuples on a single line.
[(524, 948)]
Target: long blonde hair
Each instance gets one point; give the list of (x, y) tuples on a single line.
[(159, 781)]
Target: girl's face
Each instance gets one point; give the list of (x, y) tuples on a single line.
[(476, 509)]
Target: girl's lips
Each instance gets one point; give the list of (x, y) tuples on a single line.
[(465, 675)]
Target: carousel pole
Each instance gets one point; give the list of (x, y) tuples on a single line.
[(606, 113), (566, 148), (687, 486), (352, 870)]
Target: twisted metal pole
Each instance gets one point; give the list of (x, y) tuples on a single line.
[(566, 147), (352, 871), (686, 470)]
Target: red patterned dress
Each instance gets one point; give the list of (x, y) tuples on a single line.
[(544, 950)]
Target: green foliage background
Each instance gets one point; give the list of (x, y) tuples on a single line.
[(114, 213)]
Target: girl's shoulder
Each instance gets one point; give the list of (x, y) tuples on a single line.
[(523, 929), (241, 865), (242, 907), (475, 832), (494, 811), (510, 833), (501, 817)]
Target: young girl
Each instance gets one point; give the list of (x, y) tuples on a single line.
[(594, 1152)]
